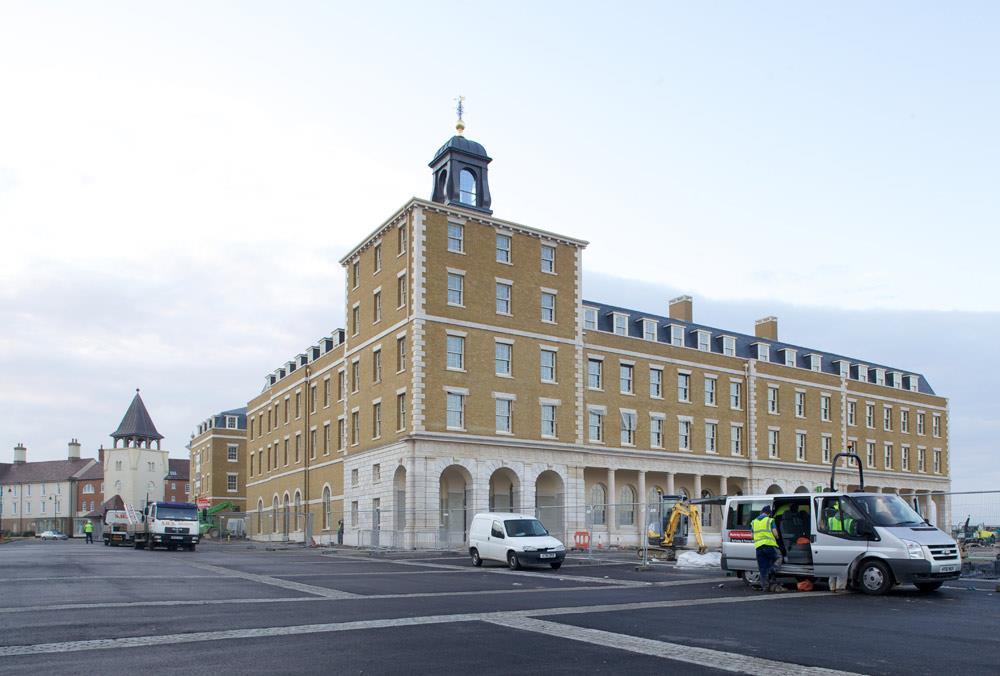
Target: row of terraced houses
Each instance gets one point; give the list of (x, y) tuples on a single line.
[(473, 375)]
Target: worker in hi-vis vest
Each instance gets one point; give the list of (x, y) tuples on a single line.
[(766, 541), (88, 530)]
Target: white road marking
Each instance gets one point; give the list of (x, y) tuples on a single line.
[(277, 582), (346, 596), (193, 637), (552, 575), (716, 659), (139, 604), (102, 577)]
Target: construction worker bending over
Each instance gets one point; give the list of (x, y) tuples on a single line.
[(766, 542)]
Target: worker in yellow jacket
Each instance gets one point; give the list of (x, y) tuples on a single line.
[(766, 541)]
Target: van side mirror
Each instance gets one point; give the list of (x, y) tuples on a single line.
[(144, 517)]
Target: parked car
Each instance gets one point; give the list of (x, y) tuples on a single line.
[(515, 539), (53, 535)]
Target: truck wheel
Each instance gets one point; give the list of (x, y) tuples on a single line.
[(927, 587), (139, 545), (476, 561), (874, 577), (751, 578), (191, 548)]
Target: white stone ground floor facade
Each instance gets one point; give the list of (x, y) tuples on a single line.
[(423, 492)]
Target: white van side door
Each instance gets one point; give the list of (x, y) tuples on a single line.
[(495, 544), (836, 544)]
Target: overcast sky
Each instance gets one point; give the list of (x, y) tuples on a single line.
[(178, 181)]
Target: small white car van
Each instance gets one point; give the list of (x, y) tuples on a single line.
[(873, 541), (515, 539)]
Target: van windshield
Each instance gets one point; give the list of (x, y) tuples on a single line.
[(888, 510), (524, 528)]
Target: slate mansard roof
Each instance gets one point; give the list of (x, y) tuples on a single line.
[(137, 423), (744, 342)]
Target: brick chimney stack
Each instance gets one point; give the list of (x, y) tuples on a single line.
[(682, 308), (20, 454), (74, 449), (766, 328)]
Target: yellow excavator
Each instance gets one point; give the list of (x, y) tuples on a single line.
[(669, 524)]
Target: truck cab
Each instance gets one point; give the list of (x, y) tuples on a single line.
[(872, 540), (168, 524)]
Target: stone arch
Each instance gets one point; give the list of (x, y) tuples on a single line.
[(399, 498), (260, 515), (274, 514), (296, 519), (550, 500), (773, 489), (707, 512), (455, 490), (628, 498), (505, 490), (598, 501), (327, 507), (285, 506)]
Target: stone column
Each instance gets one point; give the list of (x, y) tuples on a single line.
[(697, 487), (611, 513), (670, 484), (723, 485), (640, 517)]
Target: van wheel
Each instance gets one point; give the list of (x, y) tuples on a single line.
[(874, 578), (751, 578), (928, 586), (512, 561), (556, 565), (476, 561)]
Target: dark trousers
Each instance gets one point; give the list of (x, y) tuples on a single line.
[(90, 537), (766, 556)]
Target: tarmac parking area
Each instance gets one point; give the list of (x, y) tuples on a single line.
[(71, 608)]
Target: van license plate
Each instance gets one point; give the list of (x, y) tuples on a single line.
[(546, 556), (176, 537), (949, 569)]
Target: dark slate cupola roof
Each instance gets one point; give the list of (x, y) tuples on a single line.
[(461, 172), (137, 424)]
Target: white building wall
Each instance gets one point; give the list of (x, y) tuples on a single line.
[(135, 480)]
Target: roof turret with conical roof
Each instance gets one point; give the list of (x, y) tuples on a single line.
[(137, 426)]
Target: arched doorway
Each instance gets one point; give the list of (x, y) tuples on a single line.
[(801, 489), (505, 489), (399, 497), (284, 516), (708, 511), (327, 509), (774, 488), (599, 504), (549, 502), (274, 514), (260, 515), (456, 503)]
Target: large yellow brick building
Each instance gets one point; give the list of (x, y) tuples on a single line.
[(472, 375)]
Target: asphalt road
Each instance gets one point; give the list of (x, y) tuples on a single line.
[(67, 607)]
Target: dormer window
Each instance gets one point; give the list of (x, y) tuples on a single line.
[(914, 383), (763, 351), (790, 357), (844, 367), (861, 373), (467, 187), (704, 340), (880, 376), (729, 346), (897, 380), (620, 324), (648, 329), (590, 318), (677, 335), (816, 362)]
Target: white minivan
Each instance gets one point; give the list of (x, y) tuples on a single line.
[(516, 539), (873, 541)]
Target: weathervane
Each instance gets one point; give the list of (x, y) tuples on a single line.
[(460, 109)]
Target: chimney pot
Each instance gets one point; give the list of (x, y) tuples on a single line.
[(766, 328), (20, 454), (682, 308), (74, 449)]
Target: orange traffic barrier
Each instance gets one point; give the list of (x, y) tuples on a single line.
[(581, 539)]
